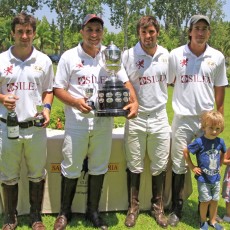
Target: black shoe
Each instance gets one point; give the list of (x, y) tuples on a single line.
[(96, 220)]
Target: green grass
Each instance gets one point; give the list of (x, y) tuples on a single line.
[(144, 222)]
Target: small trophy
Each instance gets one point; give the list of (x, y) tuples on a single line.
[(113, 96), (88, 94), (39, 119)]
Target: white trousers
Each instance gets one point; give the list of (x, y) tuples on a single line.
[(148, 133), (184, 130)]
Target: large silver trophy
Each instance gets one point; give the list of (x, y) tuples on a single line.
[(113, 96)]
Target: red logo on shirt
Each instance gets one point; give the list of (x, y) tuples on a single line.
[(8, 70), (140, 64), (184, 62), (80, 65)]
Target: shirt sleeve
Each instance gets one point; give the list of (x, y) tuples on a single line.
[(194, 147), (62, 74), (122, 75), (171, 68)]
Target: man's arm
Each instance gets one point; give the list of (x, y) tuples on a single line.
[(219, 98), (67, 99), (47, 100)]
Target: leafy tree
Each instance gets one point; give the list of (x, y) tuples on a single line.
[(12, 7), (55, 36), (177, 13), (43, 35), (5, 36), (169, 38), (124, 14), (71, 12)]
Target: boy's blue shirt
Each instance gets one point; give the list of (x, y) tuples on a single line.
[(208, 157)]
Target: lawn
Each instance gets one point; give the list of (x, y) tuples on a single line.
[(116, 219)]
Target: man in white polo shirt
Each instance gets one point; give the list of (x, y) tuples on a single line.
[(85, 134), (26, 79), (149, 133), (199, 75)]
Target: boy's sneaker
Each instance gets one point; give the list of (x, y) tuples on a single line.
[(226, 219), (204, 226), (218, 219), (216, 226)]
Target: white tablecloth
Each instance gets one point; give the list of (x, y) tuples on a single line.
[(114, 194)]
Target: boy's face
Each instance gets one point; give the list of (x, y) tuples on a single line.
[(212, 131)]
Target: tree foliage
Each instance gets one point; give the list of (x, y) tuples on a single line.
[(5, 36), (64, 32), (9, 8), (70, 14), (124, 14), (177, 13)]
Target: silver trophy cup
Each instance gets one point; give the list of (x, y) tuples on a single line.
[(39, 119), (113, 96), (88, 94)]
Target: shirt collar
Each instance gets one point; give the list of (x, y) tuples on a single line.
[(31, 57), (206, 52), (139, 51)]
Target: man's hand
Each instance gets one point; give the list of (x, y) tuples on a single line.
[(9, 101), (82, 106), (133, 108)]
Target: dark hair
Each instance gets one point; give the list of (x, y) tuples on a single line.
[(22, 19), (146, 21)]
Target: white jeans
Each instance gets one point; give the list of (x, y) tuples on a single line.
[(79, 143), (148, 134), (184, 130), (31, 145)]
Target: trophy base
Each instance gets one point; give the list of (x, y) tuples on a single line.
[(112, 113)]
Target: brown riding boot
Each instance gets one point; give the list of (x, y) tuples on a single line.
[(36, 192), (10, 198), (177, 199), (157, 210), (133, 184), (68, 189), (95, 183)]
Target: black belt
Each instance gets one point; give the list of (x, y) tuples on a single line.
[(23, 125)]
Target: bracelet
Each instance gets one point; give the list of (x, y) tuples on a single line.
[(47, 106)]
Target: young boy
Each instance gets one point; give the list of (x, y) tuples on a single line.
[(209, 150)]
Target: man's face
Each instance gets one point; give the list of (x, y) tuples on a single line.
[(148, 37), (23, 35), (92, 34), (200, 32)]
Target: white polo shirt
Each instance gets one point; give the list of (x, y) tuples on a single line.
[(148, 75), (195, 78), (26, 79), (76, 70)]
